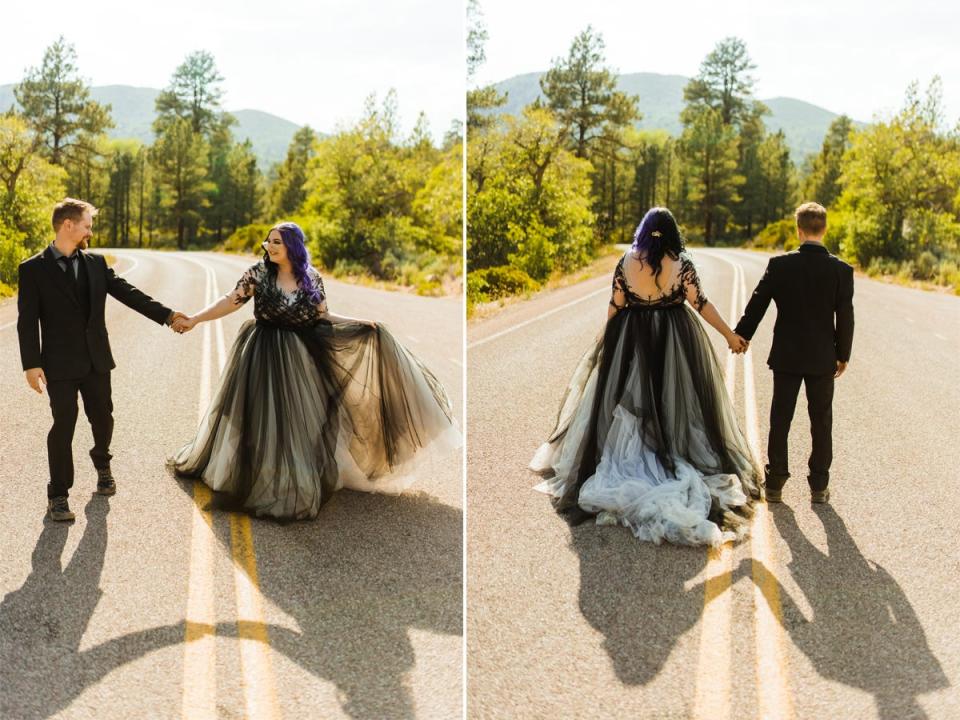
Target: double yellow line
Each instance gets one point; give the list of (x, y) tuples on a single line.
[(712, 698), (199, 667)]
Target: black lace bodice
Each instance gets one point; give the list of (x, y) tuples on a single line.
[(272, 304), (688, 288)]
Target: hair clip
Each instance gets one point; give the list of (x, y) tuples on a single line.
[(656, 233)]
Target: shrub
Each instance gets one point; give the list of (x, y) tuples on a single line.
[(247, 238), (925, 267), (499, 281), (776, 235)]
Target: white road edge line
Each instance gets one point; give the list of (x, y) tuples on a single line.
[(501, 333), (199, 666)]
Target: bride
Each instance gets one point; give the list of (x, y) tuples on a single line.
[(309, 401), (646, 436)]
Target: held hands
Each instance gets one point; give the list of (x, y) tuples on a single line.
[(35, 377), (737, 344), (181, 323)]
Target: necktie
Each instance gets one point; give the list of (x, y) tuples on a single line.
[(71, 277)]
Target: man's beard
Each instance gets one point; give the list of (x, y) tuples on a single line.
[(82, 245)]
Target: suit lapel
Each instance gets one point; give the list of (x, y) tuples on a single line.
[(57, 275)]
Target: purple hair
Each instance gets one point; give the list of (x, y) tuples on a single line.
[(657, 235), (298, 255)]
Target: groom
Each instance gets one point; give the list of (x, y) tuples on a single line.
[(61, 299), (812, 337)]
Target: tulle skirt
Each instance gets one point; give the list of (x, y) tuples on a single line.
[(301, 413), (647, 437)]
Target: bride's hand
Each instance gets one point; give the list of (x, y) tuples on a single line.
[(184, 324), (737, 344)]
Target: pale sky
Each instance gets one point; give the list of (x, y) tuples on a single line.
[(848, 56), (309, 61)]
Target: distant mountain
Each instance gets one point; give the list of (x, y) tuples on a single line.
[(661, 101), (133, 114)]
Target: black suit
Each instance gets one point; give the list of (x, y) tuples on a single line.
[(75, 352), (813, 291)]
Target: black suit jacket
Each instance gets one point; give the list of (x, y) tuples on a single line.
[(813, 291), (72, 342)]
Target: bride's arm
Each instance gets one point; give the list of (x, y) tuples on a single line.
[(707, 310), (231, 302), (221, 308), (618, 294), (324, 311), (336, 319), (710, 313)]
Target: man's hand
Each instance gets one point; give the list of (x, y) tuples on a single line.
[(737, 344), (184, 324), (841, 366), (35, 377), (174, 319)]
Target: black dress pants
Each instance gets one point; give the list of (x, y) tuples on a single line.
[(94, 388), (819, 389)]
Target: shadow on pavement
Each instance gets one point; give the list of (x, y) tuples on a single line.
[(864, 632), (634, 594), (42, 669), (356, 580)]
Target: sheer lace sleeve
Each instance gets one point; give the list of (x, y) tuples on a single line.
[(321, 291), (247, 284), (691, 284), (618, 294)]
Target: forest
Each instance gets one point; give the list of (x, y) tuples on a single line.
[(374, 203), (572, 174)]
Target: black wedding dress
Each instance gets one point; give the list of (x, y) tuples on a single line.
[(306, 406), (646, 435)]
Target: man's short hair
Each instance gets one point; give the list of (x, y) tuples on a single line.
[(811, 219), (71, 209)]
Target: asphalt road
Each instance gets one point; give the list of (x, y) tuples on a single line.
[(357, 614), (845, 611)]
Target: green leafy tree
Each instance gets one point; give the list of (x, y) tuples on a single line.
[(244, 186), (56, 104), (778, 180), (29, 186), (363, 189), (121, 210), (723, 83), (179, 158), (482, 102), (653, 178), (582, 93), (823, 183), (194, 94), (720, 108), (287, 191), (900, 180), (710, 154), (534, 209), (216, 214)]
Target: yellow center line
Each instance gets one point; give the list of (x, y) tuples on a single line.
[(199, 663), (773, 691), (258, 685), (199, 698), (712, 699)]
